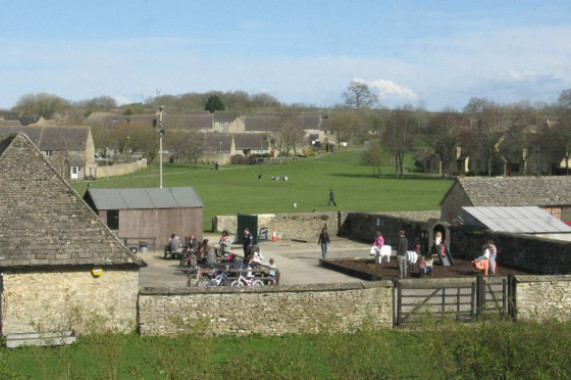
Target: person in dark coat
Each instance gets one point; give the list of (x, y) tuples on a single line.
[(402, 248), (331, 198), (247, 242)]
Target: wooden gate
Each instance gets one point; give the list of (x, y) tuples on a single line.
[(463, 300)]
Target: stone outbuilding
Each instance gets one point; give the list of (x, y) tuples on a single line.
[(552, 194), (148, 216), (61, 266)]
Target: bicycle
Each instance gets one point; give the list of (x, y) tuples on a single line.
[(219, 280), (243, 281), (202, 280)]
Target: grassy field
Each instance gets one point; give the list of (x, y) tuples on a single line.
[(236, 188)]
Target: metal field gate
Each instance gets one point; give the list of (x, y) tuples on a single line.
[(463, 300)]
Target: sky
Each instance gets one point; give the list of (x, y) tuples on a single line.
[(430, 54)]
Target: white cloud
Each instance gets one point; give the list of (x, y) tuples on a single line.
[(389, 89)]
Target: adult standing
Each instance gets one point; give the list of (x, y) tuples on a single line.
[(331, 198), (247, 242), (402, 247), (324, 242)]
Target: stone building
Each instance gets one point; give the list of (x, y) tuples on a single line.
[(552, 194), (61, 266), (70, 150)]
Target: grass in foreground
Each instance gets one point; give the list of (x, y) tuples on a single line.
[(236, 189), (491, 350)]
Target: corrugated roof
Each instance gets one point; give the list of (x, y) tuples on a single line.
[(144, 198), (530, 219)]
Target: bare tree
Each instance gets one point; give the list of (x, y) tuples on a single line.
[(289, 135), (398, 136), (348, 125), (374, 156), (42, 104), (358, 95), (444, 127)]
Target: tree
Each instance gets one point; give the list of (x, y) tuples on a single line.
[(565, 99), (214, 103), (289, 134), (359, 96), (444, 128), (42, 104), (398, 136), (374, 157), (348, 125)]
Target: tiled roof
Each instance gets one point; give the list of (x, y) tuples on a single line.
[(226, 116), (517, 191), (261, 123), (51, 138), (256, 141), (218, 142), (44, 222)]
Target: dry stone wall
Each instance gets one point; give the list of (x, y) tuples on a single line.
[(266, 311), (540, 298), (56, 301), (302, 226)]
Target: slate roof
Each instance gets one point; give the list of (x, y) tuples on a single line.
[(43, 221), (226, 116), (212, 142), (50, 137), (261, 123), (143, 198), (517, 191), (253, 141), (520, 220)]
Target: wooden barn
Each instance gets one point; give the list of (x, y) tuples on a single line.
[(145, 218)]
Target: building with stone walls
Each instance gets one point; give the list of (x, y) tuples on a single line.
[(61, 266), (70, 150), (552, 194)]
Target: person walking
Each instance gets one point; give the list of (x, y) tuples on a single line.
[(402, 247), (331, 198), (323, 241)]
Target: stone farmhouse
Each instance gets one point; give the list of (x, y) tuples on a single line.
[(69, 149), (552, 194), (58, 259)]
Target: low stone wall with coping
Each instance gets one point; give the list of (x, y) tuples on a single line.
[(267, 311)]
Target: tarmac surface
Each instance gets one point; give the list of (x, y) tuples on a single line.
[(298, 263)]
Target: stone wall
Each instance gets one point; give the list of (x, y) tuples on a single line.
[(363, 226), (302, 226), (266, 311), (104, 171), (541, 298), (53, 301), (525, 252)]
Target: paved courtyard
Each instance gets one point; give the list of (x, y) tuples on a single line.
[(298, 263)]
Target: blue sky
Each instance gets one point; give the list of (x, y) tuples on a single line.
[(433, 54)]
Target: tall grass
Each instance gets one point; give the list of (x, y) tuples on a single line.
[(236, 188), (489, 350)]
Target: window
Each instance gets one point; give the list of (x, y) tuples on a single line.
[(113, 219), (48, 153)]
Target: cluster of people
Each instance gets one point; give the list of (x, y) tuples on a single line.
[(204, 253)]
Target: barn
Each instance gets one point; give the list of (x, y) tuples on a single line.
[(552, 194), (61, 266), (146, 217)]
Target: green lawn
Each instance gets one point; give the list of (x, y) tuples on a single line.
[(236, 188)]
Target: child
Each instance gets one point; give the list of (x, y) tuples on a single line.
[(421, 266), (272, 267)]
